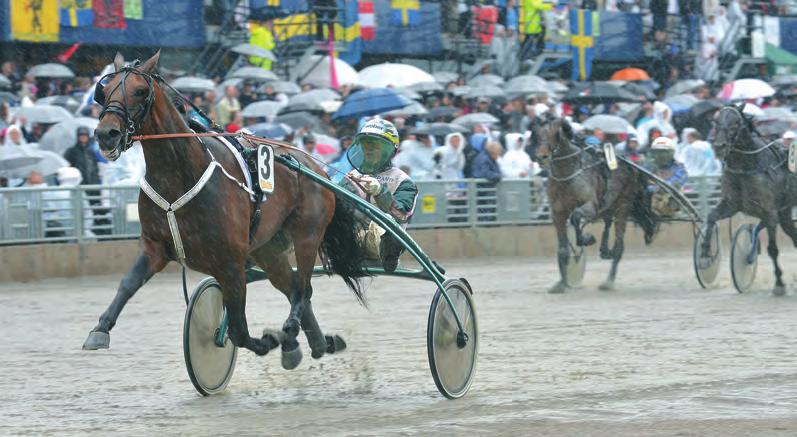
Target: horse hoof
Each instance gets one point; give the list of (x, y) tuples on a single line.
[(291, 358), (97, 340), (779, 290), (607, 254), (335, 344), (559, 288), (586, 239), (606, 286)]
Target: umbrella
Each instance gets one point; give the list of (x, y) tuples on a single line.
[(491, 91), (4, 82), (460, 90), (611, 124), (527, 84), (773, 128), (51, 70), (270, 130), (629, 111), (426, 87), (192, 84), (265, 108), (442, 112), (64, 134), (684, 86), (753, 110), (310, 100), (315, 71), (445, 77), (67, 102), (440, 129), (681, 102), (298, 120), (475, 118), (253, 50), (779, 113), (486, 79), (630, 74), (743, 89), (5, 96), (371, 102), (397, 75), (558, 87), (14, 157), (282, 86), (637, 89), (599, 92), (254, 73), (413, 108), (704, 106), (789, 79), (325, 144), (46, 114), (409, 93), (49, 163)]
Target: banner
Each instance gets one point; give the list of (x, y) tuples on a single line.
[(109, 14), (35, 21), (394, 39), (405, 12), (350, 31), (581, 43), (367, 19), (295, 26), (133, 10), (75, 13)]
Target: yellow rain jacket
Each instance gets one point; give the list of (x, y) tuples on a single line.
[(531, 19), (262, 37)]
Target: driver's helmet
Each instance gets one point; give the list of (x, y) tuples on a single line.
[(373, 146), (663, 150)]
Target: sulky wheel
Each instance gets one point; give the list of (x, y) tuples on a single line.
[(452, 357), (744, 257), (573, 273), (707, 267), (209, 365)]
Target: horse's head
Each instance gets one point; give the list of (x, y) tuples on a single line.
[(730, 125), (126, 97), (555, 136)]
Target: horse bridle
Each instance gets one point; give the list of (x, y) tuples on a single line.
[(732, 146), (575, 173), (130, 122)]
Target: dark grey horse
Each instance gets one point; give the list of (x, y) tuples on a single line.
[(755, 181)]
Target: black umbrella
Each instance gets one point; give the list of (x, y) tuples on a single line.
[(639, 90), (441, 112), (298, 120), (439, 129), (704, 106), (598, 92)]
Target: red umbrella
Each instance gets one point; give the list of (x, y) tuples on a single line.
[(630, 74)]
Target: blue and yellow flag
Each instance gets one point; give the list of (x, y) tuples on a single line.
[(584, 28), (296, 26), (405, 13), (76, 13), (349, 33)]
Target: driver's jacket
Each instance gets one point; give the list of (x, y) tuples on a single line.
[(674, 174), (398, 194)]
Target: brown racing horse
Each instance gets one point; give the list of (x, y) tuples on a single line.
[(578, 181), (213, 226)]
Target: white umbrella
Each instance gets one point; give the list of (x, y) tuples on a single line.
[(684, 86), (14, 157), (753, 110), (253, 50), (64, 134), (51, 70), (426, 87), (254, 73), (46, 114), (193, 84), (315, 71), (445, 77), (4, 82), (395, 75), (486, 79), (611, 124), (67, 102), (779, 113), (265, 108), (743, 89), (409, 93), (475, 118), (282, 86), (48, 164), (414, 108)]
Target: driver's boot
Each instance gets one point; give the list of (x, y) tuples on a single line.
[(389, 252)]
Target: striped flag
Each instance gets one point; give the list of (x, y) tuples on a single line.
[(367, 20)]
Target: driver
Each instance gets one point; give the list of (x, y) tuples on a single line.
[(666, 167), (376, 180)]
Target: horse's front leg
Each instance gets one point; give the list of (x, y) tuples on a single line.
[(605, 253), (722, 211), (772, 249), (563, 253), (150, 260), (580, 217), (620, 222), (233, 288)]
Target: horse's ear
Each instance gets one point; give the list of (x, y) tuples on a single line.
[(118, 61), (151, 63), (567, 129), (741, 106)]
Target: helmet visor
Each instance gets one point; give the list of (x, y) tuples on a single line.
[(370, 154)]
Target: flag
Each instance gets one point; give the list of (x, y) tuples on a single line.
[(76, 13), (273, 3), (35, 21), (582, 40), (350, 31), (134, 10), (295, 26), (367, 20), (64, 57), (405, 13), (109, 14)]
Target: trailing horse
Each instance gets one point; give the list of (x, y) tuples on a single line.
[(196, 209), (578, 182), (755, 180)]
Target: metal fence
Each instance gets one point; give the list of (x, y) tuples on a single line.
[(90, 213)]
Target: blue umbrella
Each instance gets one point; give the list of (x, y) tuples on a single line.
[(270, 130), (371, 102)]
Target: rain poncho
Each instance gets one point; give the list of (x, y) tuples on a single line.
[(662, 120), (418, 157), (21, 137), (699, 159), (515, 162), (451, 158), (127, 170)]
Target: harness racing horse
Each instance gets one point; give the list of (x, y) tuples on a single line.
[(213, 227), (755, 180), (577, 187)]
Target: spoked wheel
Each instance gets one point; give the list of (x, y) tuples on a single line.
[(573, 273), (452, 357), (744, 257), (707, 267), (209, 365)]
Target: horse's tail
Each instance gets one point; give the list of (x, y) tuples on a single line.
[(341, 249)]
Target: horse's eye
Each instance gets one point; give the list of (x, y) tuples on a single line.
[(141, 93)]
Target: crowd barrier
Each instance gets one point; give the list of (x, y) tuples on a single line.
[(92, 213)]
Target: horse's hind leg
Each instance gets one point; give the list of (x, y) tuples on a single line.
[(149, 261), (233, 288), (605, 253), (617, 250), (772, 250), (563, 254), (578, 219), (787, 223)]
